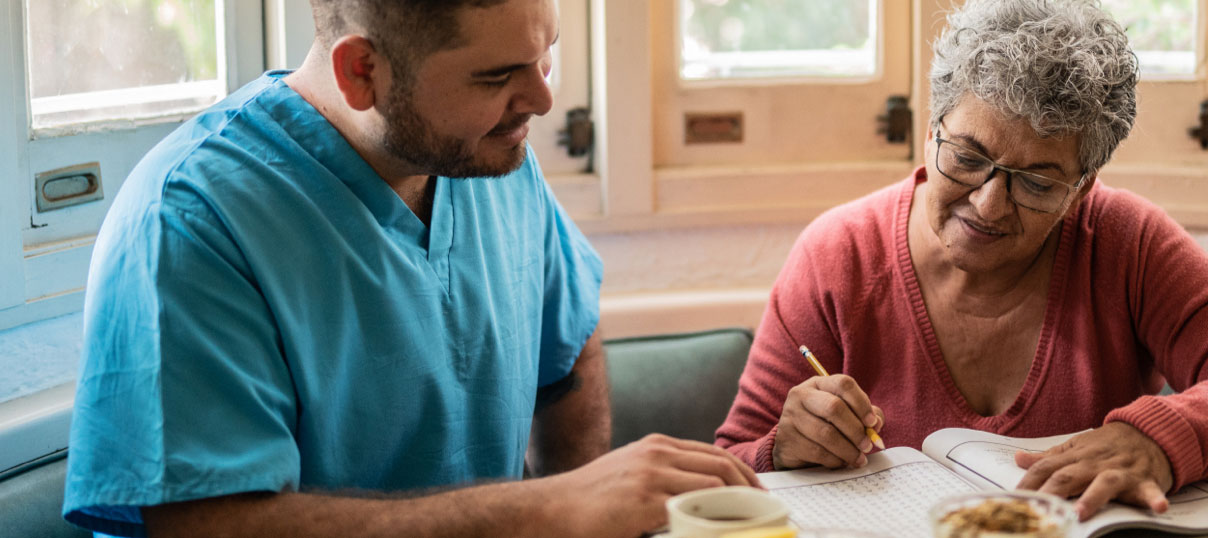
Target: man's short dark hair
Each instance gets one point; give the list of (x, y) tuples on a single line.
[(405, 31)]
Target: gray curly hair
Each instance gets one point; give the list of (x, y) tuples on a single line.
[(1064, 65)]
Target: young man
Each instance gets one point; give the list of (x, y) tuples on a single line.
[(294, 310)]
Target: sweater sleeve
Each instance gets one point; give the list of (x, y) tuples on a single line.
[(1169, 302), (800, 311)]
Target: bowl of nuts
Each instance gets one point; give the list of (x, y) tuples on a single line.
[(1003, 514)]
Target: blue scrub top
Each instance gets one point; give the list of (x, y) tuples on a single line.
[(263, 313)]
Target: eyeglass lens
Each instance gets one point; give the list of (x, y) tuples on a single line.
[(972, 169)]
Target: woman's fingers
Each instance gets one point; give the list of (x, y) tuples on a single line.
[(846, 388), (1115, 461), (793, 449), (824, 421)]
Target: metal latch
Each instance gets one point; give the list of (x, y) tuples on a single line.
[(895, 123), (579, 134), (1201, 132), (64, 187)]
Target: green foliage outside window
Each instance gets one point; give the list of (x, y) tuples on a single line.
[(768, 25), (78, 46), (1156, 25)]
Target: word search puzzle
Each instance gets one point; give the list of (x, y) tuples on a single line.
[(890, 495)]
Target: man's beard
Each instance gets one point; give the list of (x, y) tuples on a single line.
[(413, 139)]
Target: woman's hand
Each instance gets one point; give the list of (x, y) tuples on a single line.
[(823, 423), (1115, 461)]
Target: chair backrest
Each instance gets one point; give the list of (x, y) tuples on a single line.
[(31, 500), (681, 385)]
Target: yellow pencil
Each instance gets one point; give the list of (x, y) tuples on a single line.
[(809, 356)]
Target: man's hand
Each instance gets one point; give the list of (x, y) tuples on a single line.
[(823, 423), (623, 492), (1116, 461)]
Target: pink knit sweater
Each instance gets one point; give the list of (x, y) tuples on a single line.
[(1127, 305)]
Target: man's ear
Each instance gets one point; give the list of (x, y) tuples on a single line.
[(355, 64)]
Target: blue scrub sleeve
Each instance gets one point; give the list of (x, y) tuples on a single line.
[(571, 311), (186, 393)]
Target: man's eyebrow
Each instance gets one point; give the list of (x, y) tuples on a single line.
[(1042, 165), (495, 72)]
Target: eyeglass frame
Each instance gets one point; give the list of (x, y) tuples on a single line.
[(1010, 173)]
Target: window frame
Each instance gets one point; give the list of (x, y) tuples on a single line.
[(52, 270), (10, 95)]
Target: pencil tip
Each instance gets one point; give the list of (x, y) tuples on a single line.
[(876, 440)]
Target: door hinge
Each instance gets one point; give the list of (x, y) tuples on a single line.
[(579, 134), (1201, 132), (895, 123)]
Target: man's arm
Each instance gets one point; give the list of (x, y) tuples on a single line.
[(618, 495), (573, 424), (480, 511)]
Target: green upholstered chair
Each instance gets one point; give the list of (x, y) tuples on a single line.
[(31, 499), (681, 385)]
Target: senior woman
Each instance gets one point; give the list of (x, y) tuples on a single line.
[(1002, 286)]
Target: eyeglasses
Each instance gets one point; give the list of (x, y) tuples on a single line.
[(1028, 189)]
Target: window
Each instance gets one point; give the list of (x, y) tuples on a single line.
[(1159, 160), (122, 59), (740, 39), (800, 82), (1162, 33), (90, 86)]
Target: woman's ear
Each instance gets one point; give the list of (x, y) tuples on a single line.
[(1085, 189), (355, 64)]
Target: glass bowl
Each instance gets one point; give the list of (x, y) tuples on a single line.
[(1002, 514)]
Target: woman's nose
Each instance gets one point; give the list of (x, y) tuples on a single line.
[(993, 199)]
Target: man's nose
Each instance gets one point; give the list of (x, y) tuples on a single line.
[(535, 96), (992, 199)]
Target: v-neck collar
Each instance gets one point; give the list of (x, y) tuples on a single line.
[(440, 229), (319, 138), (1042, 360)]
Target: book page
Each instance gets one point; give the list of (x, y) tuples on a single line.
[(988, 460), (891, 494)]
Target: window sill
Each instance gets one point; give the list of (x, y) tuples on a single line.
[(34, 419), (35, 425), (706, 196)]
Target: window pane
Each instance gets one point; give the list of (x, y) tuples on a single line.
[(95, 60), (1162, 32), (724, 39)]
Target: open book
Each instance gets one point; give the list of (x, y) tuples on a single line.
[(893, 493)]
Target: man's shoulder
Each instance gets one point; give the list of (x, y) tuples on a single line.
[(223, 144)]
